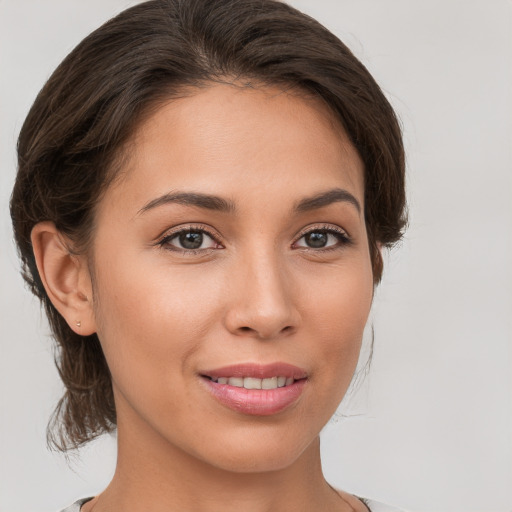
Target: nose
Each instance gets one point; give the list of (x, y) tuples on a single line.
[(261, 300)]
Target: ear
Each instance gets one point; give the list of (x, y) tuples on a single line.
[(65, 277)]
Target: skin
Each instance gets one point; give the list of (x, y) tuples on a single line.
[(254, 292)]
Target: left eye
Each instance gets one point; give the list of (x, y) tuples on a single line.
[(190, 240), (321, 239)]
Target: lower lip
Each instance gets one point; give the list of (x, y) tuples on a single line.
[(256, 402)]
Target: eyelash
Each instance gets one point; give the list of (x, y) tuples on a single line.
[(343, 239)]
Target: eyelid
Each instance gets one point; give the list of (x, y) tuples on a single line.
[(322, 227)]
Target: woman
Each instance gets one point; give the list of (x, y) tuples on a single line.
[(203, 193)]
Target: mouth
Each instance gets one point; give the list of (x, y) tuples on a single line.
[(256, 389)]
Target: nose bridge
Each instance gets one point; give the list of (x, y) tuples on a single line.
[(261, 303)]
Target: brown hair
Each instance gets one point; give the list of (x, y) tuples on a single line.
[(72, 139)]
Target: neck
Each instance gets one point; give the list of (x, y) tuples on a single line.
[(153, 474)]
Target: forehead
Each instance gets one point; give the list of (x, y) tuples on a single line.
[(230, 140)]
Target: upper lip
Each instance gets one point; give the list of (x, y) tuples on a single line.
[(258, 371)]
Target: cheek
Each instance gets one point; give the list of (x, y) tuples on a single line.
[(147, 318), (341, 297), (337, 316)]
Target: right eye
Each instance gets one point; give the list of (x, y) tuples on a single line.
[(190, 240)]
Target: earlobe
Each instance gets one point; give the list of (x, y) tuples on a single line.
[(65, 277)]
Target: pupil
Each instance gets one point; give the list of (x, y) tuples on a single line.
[(316, 239), (191, 240)]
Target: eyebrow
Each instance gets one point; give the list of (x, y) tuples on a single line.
[(215, 203), (206, 201), (323, 199)]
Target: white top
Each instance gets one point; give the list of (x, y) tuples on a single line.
[(373, 506), (377, 506)]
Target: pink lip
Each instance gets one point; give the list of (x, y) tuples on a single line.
[(258, 371), (258, 402)]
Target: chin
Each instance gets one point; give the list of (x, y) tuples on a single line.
[(262, 463), (258, 452)]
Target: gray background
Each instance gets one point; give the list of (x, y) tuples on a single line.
[(430, 429)]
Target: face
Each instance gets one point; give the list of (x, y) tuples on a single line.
[(233, 252)]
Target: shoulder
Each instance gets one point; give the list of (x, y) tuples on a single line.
[(76, 506), (355, 503)]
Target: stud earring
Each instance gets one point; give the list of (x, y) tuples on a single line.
[(78, 323)]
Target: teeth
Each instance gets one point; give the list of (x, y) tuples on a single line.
[(269, 383), (254, 383), (236, 381)]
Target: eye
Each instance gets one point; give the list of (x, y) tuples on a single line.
[(323, 238), (189, 240)]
